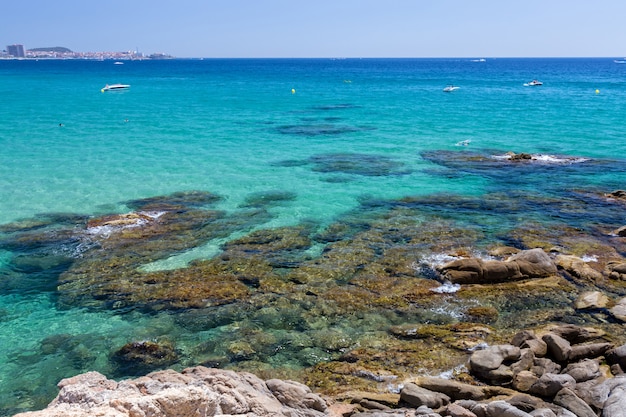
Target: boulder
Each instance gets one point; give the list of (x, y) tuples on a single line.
[(453, 389), (483, 361), (590, 350), (617, 356), (615, 403), (548, 385), (534, 263), (616, 270), (577, 334), (619, 310), (584, 370), (193, 392), (558, 347), (567, 399), (591, 300), (578, 268), (504, 409), (455, 410), (417, 396), (295, 395)]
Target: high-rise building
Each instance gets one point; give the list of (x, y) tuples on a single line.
[(16, 51)]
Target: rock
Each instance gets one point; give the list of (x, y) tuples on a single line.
[(138, 358), (453, 389), (584, 370), (617, 356), (534, 263), (577, 334), (621, 232), (558, 347), (424, 411), (537, 346), (545, 366), (619, 310), (615, 404), (483, 361), (522, 381), (578, 268), (591, 350), (193, 392), (542, 412), (455, 410), (295, 395), (567, 399), (417, 396), (591, 300), (504, 409), (548, 385), (616, 270), (523, 336)]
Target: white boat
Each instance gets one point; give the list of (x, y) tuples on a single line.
[(450, 88), (620, 61), (115, 87), (118, 63), (533, 83)]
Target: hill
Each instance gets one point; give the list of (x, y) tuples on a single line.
[(58, 49)]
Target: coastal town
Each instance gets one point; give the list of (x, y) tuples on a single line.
[(17, 51)]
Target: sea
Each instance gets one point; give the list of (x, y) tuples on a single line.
[(318, 142)]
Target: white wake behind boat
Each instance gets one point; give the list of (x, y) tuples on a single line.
[(115, 87), (450, 88)]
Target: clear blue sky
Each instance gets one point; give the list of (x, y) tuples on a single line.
[(322, 28)]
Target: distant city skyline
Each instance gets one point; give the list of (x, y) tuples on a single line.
[(325, 28)]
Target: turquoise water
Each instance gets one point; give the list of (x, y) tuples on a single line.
[(330, 134)]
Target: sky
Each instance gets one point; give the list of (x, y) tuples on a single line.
[(321, 28)]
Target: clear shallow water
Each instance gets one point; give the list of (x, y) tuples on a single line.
[(354, 131)]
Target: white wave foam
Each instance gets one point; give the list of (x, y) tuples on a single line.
[(447, 288), (546, 159)]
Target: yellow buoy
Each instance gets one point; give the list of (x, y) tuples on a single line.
[(293, 91), (597, 91)]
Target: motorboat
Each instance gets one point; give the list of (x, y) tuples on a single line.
[(620, 61), (118, 63), (533, 83), (450, 88), (115, 87)]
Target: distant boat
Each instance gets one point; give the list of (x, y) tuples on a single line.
[(479, 60), (115, 87), (533, 83), (450, 88), (118, 63), (620, 61)]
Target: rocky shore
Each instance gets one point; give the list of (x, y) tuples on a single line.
[(355, 310), (562, 371)]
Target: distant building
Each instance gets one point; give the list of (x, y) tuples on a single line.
[(16, 50)]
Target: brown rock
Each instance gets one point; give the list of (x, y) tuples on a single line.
[(567, 399), (417, 396), (591, 300), (578, 268), (558, 347)]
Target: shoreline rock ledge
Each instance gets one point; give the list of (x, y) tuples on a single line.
[(194, 392), (562, 370)]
